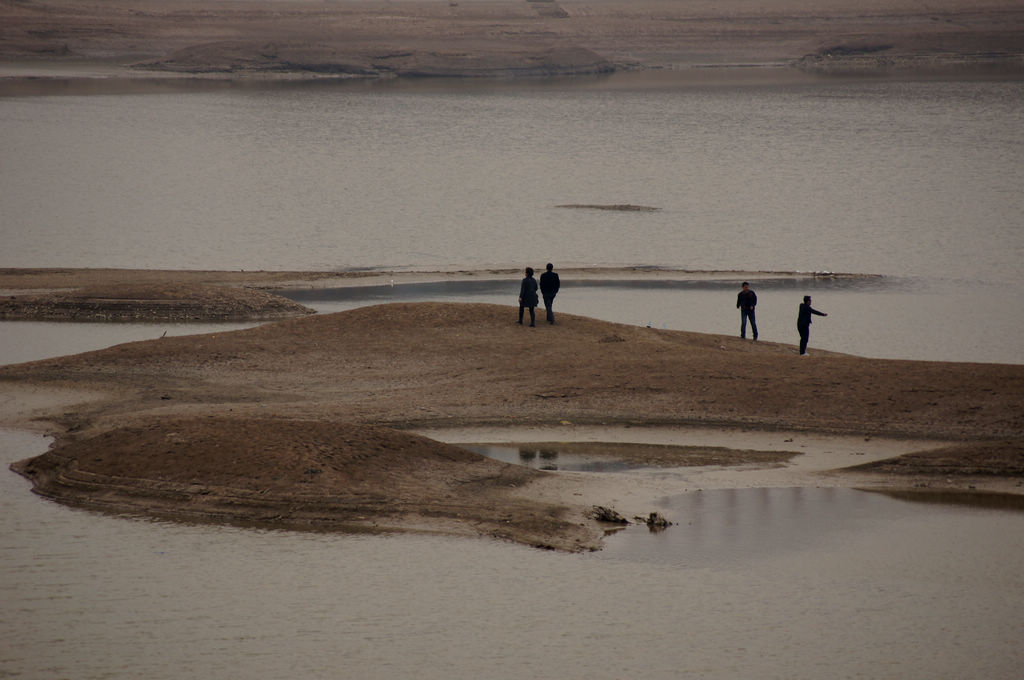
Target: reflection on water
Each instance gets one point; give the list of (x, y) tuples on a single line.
[(793, 583), (725, 527), (551, 459)]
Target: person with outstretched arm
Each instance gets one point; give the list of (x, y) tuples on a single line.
[(803, 322)]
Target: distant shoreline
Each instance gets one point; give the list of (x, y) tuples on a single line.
[(353, 39), (52, 278)]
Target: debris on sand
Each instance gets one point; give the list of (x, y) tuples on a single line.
[(654, 521), (605, 514)]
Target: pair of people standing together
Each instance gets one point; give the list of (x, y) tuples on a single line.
[(548, 286), (746, 301)]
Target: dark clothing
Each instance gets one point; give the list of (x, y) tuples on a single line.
[(533, 314), (805, 335), (803, 324), (746, 301), (549, 285), (744, 315), (549, 303), (804, 315), (528, 292), (528, 298)]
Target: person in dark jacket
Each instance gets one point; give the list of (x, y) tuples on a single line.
[(528, 296), (745, 302), (549, 284), (803, 322)]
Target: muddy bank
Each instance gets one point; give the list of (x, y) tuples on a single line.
[(29, 279), (126, 295), (340, 60), (152, 302), (509, 38), (982, 459), (299, 474)]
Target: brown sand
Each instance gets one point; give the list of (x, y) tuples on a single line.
[(231, 425), (373, 38), (148, 303), (300, 422)]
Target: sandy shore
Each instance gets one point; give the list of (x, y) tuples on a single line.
[(502, 38), (303, 422)]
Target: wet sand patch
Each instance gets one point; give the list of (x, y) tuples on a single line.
[(739, 458), (299, 475)]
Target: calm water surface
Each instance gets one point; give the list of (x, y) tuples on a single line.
[(919, 182), (766, 583), (919, 178)]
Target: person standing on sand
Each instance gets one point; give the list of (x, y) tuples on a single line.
[(549, 284), (803, 322), (745, 302), (528, 296)]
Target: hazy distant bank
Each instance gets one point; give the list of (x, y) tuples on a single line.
[(506, 38)]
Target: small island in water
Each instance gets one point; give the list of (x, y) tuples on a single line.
[(319, 420)]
